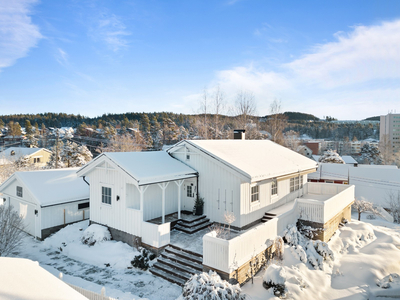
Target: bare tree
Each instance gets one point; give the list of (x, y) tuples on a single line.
[(389, 156), (362, 206), (204, 109), (126, 143), (393, 203), (11, 226), (218, 106), (245, 107), (276, 123)]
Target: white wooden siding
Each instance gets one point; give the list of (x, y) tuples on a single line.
[(54, 215), (219, 185)]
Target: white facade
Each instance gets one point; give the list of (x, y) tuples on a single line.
[(39, 217), (227, 189)]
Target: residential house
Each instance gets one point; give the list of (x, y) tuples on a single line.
[(37, 156), (47, 200)]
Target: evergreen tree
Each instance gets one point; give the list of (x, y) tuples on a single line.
[(156, 134), (331, 156), (28, 127)]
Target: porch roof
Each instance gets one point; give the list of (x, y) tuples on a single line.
[(151, 167)]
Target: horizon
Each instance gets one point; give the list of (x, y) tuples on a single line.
[(92, 58)]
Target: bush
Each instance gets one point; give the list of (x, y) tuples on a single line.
[(275, 278), (11, 226), (211, 286), (95, 234), (143, 260)]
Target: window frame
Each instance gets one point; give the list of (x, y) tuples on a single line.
[(84, 204), (190, 191), (19, 191), (274, 188), (255, 193), (103, 195)]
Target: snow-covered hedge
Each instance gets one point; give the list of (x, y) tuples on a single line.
[(95, 234), (275, 278), (211, 286)]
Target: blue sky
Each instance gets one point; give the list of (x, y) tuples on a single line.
[(338, 58)]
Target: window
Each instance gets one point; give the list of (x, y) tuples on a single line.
[(274, 187), (36, 160), (189, 191), (254, 193), (106, 195), (19, 191), (296, 183), (83, 205)]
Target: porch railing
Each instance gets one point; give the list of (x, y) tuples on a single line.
[(156, 235)]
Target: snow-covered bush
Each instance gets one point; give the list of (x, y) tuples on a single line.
[(389, 280), (279, 248), (331, 156), (275, 278), (292, 236), (95, 234), (299, 253), (144, 260), (211, 286)]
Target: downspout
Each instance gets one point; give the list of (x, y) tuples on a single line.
[(85, 180)]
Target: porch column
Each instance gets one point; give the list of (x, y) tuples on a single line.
[(163, 187), (142, 190), (179, 184)]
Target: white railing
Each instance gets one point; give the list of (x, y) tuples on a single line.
[(156, 235), (89, 294), (227, 255)]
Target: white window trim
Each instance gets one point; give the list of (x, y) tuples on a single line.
[(101, 194), (256, 202), (277, 189)]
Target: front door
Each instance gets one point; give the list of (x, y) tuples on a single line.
[(189, 194)]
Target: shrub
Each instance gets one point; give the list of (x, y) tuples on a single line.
[(95, 234), (211, 286), (143, 260), (275, 278)]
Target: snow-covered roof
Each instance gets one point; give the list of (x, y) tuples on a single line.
[(328, 171), (18, 153), (24, 279), (349, 159), (256, 159), (147, 167), (50, 187)]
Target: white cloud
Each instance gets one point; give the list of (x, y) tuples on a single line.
[(61, 57), (17, 33), (110, 29), (354, 77)]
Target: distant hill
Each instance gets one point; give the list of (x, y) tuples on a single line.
[(377, 118), (298, 116)]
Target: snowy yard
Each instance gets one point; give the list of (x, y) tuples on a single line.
[(363, 252), (94, 267)]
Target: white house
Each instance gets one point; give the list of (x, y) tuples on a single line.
[(246, 177), (47, 199), (249, 178)]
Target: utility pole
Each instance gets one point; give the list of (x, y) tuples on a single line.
[(57, 133)]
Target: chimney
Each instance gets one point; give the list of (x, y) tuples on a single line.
[(239, 134)]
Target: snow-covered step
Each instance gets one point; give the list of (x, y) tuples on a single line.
[(187, 251), (175, 271), (183, 261), (195, 219), (168, 276), (184, 255), (190, 230), (194, 223), (179, 266), (267, 217)]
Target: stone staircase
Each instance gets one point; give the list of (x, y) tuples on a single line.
[(193, 225), (267, 217), (177, 265)]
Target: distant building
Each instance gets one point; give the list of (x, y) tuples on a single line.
[(37, 156), (390, 130), (315, 146)]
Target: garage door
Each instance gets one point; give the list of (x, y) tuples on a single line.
[(27, 212)]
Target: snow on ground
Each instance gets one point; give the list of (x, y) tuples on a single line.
[(92, 267), (364, 252)]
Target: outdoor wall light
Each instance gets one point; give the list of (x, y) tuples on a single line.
[(36, 212), (117, 197)]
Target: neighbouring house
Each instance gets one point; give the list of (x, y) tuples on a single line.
[(24, 279), (37, 156), (263, 184), (304, 150), (346, 158), (47, 200), (374, 183)]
